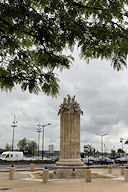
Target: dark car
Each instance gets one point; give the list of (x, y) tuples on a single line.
[(106, 161), (55, 159)]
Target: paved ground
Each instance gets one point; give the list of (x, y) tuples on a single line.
[(72, 185)]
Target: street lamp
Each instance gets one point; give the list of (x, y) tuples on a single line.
[(13, 126), (102, 145), (38, 131), (122, 141), (43, 126)]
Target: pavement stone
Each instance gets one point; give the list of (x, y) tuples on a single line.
[(24, 183)]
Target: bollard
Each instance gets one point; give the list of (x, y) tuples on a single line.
[(11, 173), (45, 175), (88, 175), (32, 167), (109, 168), (122, 170), (126, 175)]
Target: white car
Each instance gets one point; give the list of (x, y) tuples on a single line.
[(11, 155)]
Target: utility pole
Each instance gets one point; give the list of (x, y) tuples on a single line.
[(122, 141), (43, 126), (13, 126), (38, 131), (102, 145)]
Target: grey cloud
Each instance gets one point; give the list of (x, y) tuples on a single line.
[(101, 92)]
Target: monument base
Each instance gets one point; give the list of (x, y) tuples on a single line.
[(69, 162), (69, 172)]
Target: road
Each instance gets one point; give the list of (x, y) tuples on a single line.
[(25, 166)]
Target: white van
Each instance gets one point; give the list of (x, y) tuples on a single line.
[(12, 155)]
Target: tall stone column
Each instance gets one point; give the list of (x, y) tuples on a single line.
[(70, 133)]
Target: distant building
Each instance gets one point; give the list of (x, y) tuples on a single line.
[(47, 153), (87, 148), (51, 148)]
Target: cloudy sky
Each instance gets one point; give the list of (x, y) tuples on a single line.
[(103, 97)]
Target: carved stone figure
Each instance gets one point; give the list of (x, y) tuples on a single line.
[(70, 105)]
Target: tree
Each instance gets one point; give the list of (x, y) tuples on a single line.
[(89, 150), (22, 145), (120, 151), (27, 146), (8, 147), (113, 154), (97, 153), (32, 147), (34, 33), (126, 142)]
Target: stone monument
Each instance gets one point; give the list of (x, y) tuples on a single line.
[(69, 134)]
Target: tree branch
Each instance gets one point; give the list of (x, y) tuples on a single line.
[(87, 7), (10, 25), (16, 78)]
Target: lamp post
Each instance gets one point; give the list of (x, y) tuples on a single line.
[(33, 149), (43, 126), (102, 145), (38, 131), (122, 141), (13, 126)]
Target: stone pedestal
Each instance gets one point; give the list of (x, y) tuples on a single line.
[(69, 172), (122, 171), (88, 175), (70, 133), (109, 168), (70, 162), (32, 167), (126, 175), (11, 173), (45, 176)]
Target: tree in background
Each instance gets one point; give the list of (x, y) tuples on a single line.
[(8, 147), (34, 33), (89, 150), (27, 146), (113, 154), (97, 153), (22, 145), (120, 152), (32, 147)]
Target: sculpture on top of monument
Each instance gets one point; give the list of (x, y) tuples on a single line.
[(69, 104)]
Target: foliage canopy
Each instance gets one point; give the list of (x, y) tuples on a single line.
[(8, 147), (27, 146), (34, 33)]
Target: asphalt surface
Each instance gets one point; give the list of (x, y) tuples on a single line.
[(25, 166)]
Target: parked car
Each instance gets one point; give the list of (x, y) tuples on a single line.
[(103, 161), (55, 159), (106, 161), (89, 160), (121, 160), (97, 161)]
